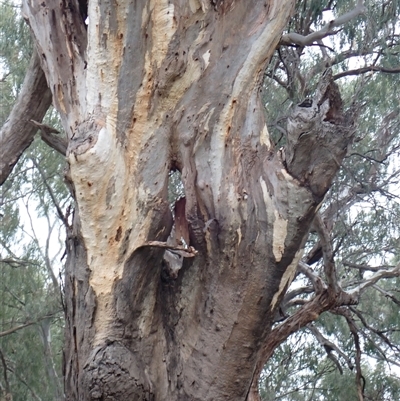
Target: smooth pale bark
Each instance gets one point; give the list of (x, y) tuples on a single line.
[(17, 132), (166, 85)]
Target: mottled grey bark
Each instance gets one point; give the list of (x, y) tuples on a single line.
[(17, 133), (166, 85)]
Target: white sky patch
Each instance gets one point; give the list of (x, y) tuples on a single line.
[(47, 233), (206, 57)]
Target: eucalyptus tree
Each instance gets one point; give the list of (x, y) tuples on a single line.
[(31, 318), (184, 305)]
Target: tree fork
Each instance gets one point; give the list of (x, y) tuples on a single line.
[(152, 86)]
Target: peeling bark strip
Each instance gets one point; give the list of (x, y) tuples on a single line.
[(163, 85)]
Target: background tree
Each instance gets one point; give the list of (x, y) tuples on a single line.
[(31, 316), (130, 105)]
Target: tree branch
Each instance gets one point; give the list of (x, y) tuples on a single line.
[(365, 267), (7, 384), (51, 194), (24, 382), (189, 252), (327, 252), (56, 142), (326, 30), (329, 346), (387, 294), (379, 333), (315, 279), (363, 70), (14, 329), (32, 103), (359, 376), (395, 272)]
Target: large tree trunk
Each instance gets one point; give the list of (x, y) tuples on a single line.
[(157, 86)]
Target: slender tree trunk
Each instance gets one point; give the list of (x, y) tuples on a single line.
[(154, 86), (53, 379)]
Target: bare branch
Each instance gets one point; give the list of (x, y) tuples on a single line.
[(3, 362), (306, 314), (359, 376), (387, 273), (181, 250), (23, 381), (32, 103), (327, 252), (30, 323), (51, 194), (387, 294), (315, 279), (329, 346), (371, 329), (326, 30), (14, 329), (296, 292), (366, 267), (15, 263), (336, 59), (363, 70)]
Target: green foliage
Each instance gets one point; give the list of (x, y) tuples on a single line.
[(30, 258), (30, 250), (30, 242), (15, 53), (300, 371), (362, 206)]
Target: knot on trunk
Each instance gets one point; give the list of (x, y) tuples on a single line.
[(318, 133), (112, 373)]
